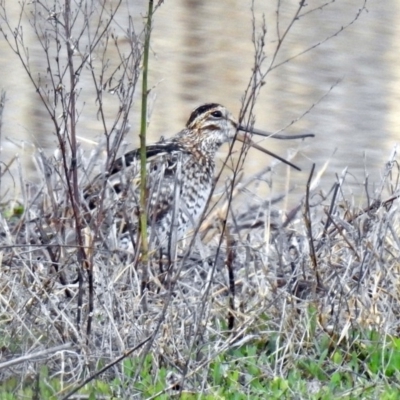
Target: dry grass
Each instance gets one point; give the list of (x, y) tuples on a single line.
[(261, 280), (253, 275)]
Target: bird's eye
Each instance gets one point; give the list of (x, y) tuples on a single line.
[(217, 114)]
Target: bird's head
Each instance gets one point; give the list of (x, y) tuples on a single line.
[(211, 125)]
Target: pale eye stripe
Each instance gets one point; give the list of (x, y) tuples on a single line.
[(211, 127)]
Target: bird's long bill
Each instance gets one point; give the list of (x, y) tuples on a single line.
[(273, 135), (247, 139)]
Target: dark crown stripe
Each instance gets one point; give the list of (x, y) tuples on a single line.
[(201, 110)]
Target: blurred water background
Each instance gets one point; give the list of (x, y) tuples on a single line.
[(202, 52)]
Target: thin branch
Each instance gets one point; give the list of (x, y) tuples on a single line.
[(38, 354)]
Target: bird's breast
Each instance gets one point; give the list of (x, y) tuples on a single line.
[(197, 180)]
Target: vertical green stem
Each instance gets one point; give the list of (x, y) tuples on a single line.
[(143, 126)]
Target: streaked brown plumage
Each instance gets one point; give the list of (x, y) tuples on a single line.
[(180, 173)]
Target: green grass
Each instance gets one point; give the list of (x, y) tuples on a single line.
[(365, 367)]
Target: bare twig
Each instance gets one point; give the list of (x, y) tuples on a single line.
[(38, 354), (307, 221)]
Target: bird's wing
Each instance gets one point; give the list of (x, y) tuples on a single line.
[(153, 151), (123, 181)]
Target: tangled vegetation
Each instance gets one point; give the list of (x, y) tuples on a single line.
[(256, 304)]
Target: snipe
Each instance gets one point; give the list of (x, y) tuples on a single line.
[(180, 173)]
